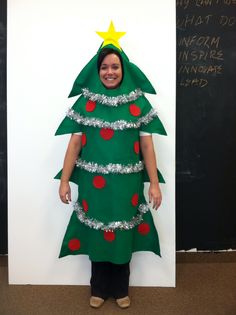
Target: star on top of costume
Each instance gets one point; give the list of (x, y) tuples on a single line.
[(111, 36)]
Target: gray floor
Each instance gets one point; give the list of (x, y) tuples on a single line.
[(206, 285)]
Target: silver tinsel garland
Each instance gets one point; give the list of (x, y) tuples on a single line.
[(116, 125), (112, 226), (112, 100), (110, 168)]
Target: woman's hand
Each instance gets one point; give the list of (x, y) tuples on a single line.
[(65, 192), (155, 196), (154, 191)]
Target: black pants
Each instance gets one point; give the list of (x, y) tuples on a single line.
[(109, 280)]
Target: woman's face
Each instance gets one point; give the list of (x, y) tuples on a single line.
[(110, 71)]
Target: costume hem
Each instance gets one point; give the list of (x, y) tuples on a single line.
[(114, 261)]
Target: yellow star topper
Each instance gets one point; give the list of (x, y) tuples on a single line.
[(111, 36)]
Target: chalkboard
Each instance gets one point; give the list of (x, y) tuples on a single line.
[(206, 124), (3, 130)]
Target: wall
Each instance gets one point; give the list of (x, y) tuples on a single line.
[(3, 131)]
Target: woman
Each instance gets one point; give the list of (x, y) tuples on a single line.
[(111, 219)]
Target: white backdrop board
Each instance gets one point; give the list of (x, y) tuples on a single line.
[(49, 42)]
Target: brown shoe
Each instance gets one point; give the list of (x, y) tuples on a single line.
[(96, 301), (123, 302)]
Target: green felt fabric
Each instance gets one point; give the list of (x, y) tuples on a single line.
[(112, 114), (133, 78), (119, 251), (114, 202)]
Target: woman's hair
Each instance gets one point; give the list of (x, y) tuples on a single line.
[(107, 51)]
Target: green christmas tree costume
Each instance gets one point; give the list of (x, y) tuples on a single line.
[(111, 218)]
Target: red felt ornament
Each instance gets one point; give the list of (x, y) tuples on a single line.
[(144, 228), (134, 200), (74, 244), (136, 147), (99, 182), (109, 236), (85, 205), (134, 110), (90, 106), (83, 139), (106, 133)]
